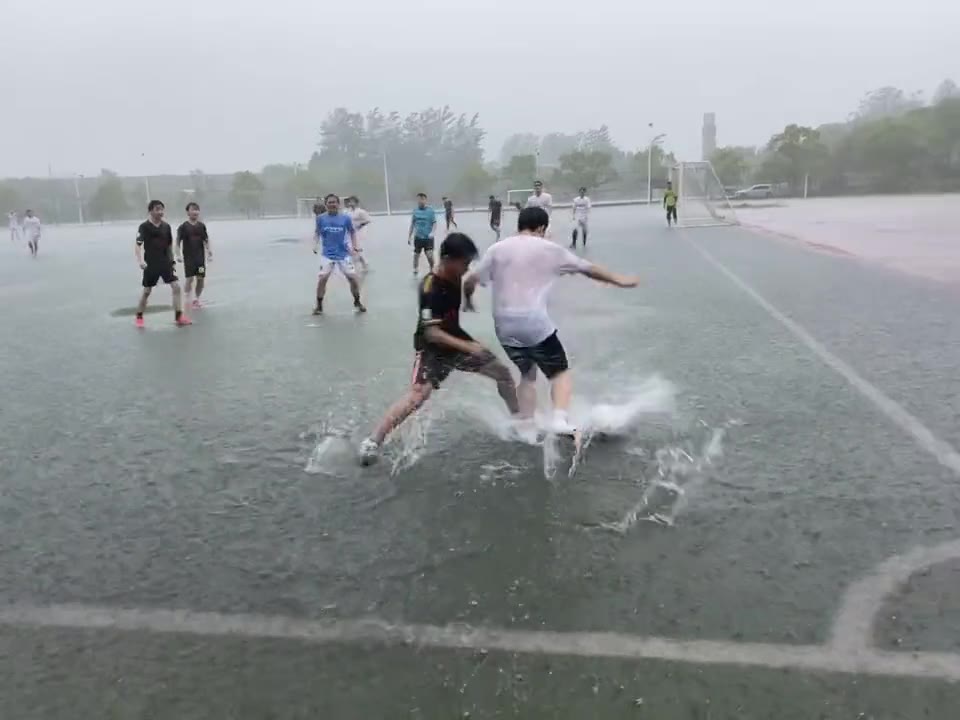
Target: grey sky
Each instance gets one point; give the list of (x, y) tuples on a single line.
[(170, 85)]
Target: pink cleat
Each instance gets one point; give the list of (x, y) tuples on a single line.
[(196, 304), (139, 323), (183, 321)]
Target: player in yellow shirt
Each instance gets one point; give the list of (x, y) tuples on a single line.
[(670, 202)]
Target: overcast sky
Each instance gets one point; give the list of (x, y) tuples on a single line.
[(170, 85)]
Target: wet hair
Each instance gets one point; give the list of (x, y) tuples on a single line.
[(583, 189), (353, 199), (532, 218), (192, 204), (538, 182), (492, 197), (458, 246), (154, 204), (330, 195), (423, 195)]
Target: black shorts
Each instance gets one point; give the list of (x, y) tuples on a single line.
[(672, 212), (430, 366), (194, 266), (549, 356), (423, 244), (495, 224), (156, 272)]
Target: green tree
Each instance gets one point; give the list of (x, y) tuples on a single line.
[(796, 153), (9, 198), (518, 145), (590, 168), (520, 171), (945, 91), (246, 192), (474, 182), (730, 164), (109, 201), (887, 101)]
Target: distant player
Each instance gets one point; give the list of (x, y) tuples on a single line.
[(670, 203), (193, 250), (14, 221), (441, 345), (496, 213), (423, 225), (541, 199), (318, 208), (522, 270), (335, 231), (31, 230), (448, 213), (581, 216), (154, 251), (360, 219)]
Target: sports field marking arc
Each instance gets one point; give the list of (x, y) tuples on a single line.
[(941, 450), (848, 651)]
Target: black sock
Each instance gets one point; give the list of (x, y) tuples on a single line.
[(139, 314), (177, 314), (319, 302)]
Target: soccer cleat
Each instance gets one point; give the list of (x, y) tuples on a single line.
[(561, 425), (139, 323), (183, 321), (369, 451), (196, 304), (360, 307)]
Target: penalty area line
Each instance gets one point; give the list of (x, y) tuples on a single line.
[(812, 658)]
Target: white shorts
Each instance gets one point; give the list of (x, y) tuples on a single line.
[(345, 266)]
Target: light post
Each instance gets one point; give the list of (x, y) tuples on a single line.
[(76, 190), (653, 143)]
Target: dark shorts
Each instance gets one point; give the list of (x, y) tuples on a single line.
[(495, 224), (549, 356), (450, 220), (672, 212), (423, 244), (156, 272), (194, 266), (430, 366)]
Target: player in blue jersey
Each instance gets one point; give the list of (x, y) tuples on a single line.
[(423, 225), (336, 235)]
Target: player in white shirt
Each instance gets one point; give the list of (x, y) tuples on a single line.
[(31, 229), (541, 199), (581, 216), (361, 218), (14, 220), (522, 270)]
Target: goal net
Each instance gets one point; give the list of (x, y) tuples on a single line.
[(305, 206), (702, 201), (518, 196)]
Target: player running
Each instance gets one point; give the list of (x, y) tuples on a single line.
[(423, 225), (496, 215), (335, 230), (14, 221), (441, 345), (193, 250), (541, 199), (581, 216), (31, 230), (522, 269), (360, 219), (670, 202), (448, 213), (154, 252)]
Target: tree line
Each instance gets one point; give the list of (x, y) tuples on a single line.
[(893, 143)]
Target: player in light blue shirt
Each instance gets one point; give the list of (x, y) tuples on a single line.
[(334, 230), (423, 223)]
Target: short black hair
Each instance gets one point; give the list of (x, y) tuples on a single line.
[(153, 204), (532, 218), (192, 204), (421, 194), (330, 195), (583, 189), (538, 182), (458, 246), (492, 197), (354, 198)]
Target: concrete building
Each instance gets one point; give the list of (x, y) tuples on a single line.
[(709, 145)]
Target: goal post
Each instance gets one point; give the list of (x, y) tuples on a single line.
[(305, 205), (701, 199), (518, 196)]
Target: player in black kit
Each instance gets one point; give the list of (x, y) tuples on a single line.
[(154, 251), (193, 250)]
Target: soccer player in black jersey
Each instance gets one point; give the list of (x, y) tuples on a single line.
[(193, 250), (154, 251)]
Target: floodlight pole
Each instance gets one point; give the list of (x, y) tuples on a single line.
[(386, 181), (653, 142), (76, 189)]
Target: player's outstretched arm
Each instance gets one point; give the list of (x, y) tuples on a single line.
[(600, 274)]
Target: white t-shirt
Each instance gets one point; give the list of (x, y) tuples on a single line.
[(13, 220), (581, 208), (360, 218), (543, 200), (522, 269), (31, 227)]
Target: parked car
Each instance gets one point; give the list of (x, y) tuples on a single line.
[(763, 190)]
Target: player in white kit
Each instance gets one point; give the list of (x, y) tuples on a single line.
[(361, 218), (581, 216), (521, 270), (541, 199), (31, 229), (14, 220)]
